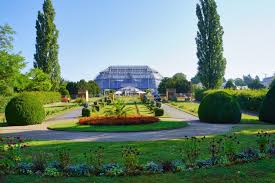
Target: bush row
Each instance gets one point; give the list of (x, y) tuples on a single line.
[(250, 100), (153, 105), (110, 120), (46, 97)]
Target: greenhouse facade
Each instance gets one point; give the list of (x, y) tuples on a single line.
[(116, 77)]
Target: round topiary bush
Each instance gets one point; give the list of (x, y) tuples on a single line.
[(86, 112), (24, 110), (267, 111), (219, 107)]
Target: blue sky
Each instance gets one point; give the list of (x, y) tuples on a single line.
[(160, 33)]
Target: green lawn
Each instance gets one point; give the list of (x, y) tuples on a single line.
[(192, 108), (74, 126), (57, 108), (260, 171)]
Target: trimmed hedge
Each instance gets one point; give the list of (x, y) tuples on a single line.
[(4, 100), (24, 110), (219, 107), (267, 112), (45, 97), (250, 100), (158, 111), (86, 112)]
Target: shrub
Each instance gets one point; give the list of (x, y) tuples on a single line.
[(267, 109), (250, 100), (158, 111), (111, 120), (3, 102), (219, 107), (24, 110), (79, 100), (199, 94), (45, 97), (64, 92), (39, 161), (158, 104), (86, 112)]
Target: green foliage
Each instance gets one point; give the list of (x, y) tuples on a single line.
[(39, 161), (46, 55), (6, 37), (118, 109), (45, 97), (158, 111), (199, 94), (191, 150), (250, 100), (86, 112), (3, 102), (39, 81), (211, 64), (230, 84), (64, 92), (272, 84), (267, 109), (64, 157), (239, 82), (178, 81), (219, 107), (263, 139), (130, 156), (24, 110)]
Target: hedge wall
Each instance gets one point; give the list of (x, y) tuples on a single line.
[(46, 97), (250, 100)]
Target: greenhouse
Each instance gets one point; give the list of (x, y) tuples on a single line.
[(117, 77)]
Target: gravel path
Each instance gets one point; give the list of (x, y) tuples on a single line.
[(41, 132)]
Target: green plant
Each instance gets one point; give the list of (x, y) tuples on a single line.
[(267, 109), (158, 104), (39, 161), (158, 111), (86, 112), (95, 158), (215, 149), (130, 156), (45, 97), (79, 100), (24, 110), (118, 109), (219, 107), (51, 172), (231, 143), (64, 158), (263, 139), (191, 150)]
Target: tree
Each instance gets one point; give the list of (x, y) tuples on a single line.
[(10, 64), (72, 88), (211, 64), (178, 81), (46, 55), (272, 84), (256, 84), (195, 79), (40, 81), (230, 84), (248, 79), (239, 82)]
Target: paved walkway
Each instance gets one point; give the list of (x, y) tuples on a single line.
[(41, 132)]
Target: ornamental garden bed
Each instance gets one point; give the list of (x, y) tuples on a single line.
[(221, 151)]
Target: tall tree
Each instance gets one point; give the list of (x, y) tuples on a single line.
[(211, 62), (46, 56)]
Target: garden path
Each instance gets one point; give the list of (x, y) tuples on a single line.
[(40, 132)]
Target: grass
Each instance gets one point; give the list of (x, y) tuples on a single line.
[(74, 126), (192, 108), (260, 171)]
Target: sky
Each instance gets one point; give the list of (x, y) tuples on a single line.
[(94, 34)]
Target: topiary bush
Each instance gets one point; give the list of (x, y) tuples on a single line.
[(267, 111), (86, 112), (158, 111), (219, 107), (24, 110)]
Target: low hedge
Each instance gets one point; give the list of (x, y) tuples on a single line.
[(219, 107), (86, 112), (111, 120), (45, 97), (158, 111), (250, 100), (24, 110)]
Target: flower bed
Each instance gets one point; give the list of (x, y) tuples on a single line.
[(223, 152), (111, 120)]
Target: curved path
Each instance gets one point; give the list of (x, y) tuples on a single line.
[(41, 132)]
